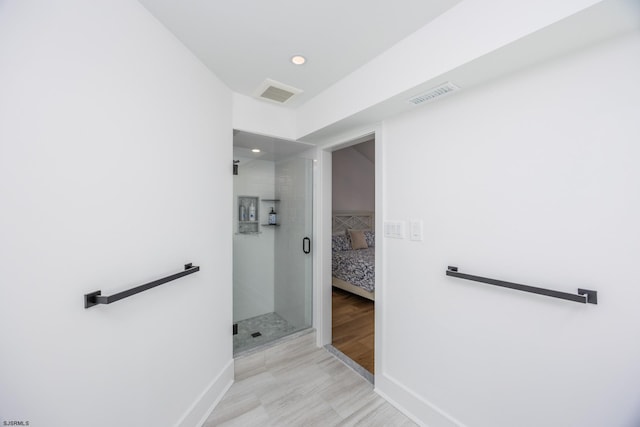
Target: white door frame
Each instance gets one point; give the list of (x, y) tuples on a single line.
[(322, 236)]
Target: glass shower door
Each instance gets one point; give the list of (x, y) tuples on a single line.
[(273, 265), (293, 259)]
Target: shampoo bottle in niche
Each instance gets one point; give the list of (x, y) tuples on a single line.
[(252, 212), (273, 218), (243, 212)]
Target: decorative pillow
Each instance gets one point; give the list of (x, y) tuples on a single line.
[(370, 237), (358, 240), (340, 242)]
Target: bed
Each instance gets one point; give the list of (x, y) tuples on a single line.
[(353, 270)]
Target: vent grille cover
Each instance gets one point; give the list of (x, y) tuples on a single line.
[(433, 93), (277, 92)]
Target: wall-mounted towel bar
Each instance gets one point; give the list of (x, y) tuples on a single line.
[(584, 295), (95, 298)]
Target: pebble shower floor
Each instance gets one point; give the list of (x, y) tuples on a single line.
[(270, 326)]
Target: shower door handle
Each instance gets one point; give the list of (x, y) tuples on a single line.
[(306, 245)]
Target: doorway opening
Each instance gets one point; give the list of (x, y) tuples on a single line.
[(353, 254), (272, 261)]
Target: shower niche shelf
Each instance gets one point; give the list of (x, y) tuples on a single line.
[(248, 215), (273, 204)]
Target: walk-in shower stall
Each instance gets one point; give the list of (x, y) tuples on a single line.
[(272, 264)]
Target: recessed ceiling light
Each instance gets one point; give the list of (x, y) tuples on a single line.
[(298, 59), (255, 150)]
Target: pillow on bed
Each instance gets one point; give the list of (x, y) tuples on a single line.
[(358, 240), (340, 242)]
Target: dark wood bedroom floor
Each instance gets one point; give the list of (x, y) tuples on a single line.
[(353, 327)]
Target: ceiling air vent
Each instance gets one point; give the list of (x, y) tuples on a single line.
[(277, 92), (433, 93)]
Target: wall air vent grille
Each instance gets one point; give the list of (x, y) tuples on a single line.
[(277, 92), (433, 93)]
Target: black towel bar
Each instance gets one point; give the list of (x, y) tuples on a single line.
[(584, 295), (95, 298)]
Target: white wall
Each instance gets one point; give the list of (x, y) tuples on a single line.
[(253, 257), (115, 156), (353, 181), (531, 179)]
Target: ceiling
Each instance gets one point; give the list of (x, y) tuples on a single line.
[(245, 42), (602, 21), (271, 149), (367, 149)]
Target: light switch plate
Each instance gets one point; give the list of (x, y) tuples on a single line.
[(415, 230), (394, 229)]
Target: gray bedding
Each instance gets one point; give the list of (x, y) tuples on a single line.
[(354, 266)]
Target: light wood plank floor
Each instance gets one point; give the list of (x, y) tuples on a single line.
[(353, 327), (299, 384)]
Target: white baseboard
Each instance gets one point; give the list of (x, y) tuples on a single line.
[(200, 410), (420, 411)]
